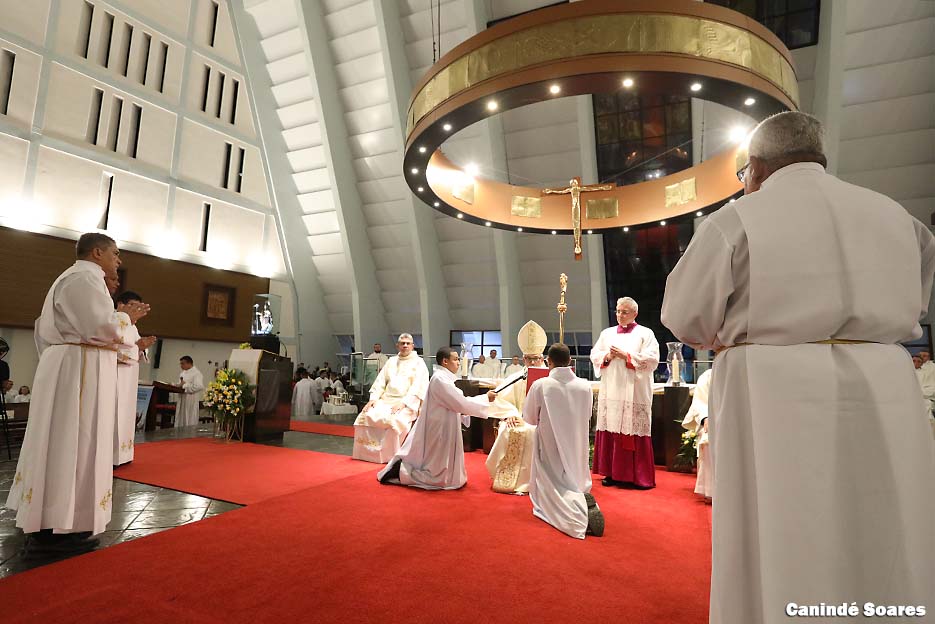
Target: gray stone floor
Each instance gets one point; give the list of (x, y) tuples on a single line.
[(140, 509)]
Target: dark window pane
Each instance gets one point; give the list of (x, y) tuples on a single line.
[(678, 117), (801, 29), (630, 129), (628, 102), (778, 26), (632, 154), (604, 103), (772, 8), (801, 5), (607, 159), (606, 127), (654, 122), (652, 100)]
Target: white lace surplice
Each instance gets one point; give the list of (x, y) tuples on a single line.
[(625, 401)]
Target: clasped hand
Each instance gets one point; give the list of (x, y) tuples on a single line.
[(617, 352), (145, 342), (134, 309)]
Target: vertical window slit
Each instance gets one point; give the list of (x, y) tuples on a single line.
[(213, 27), (116, 110), (7, 61), (225, 173), (84, 29), (238, 181), (220, 97), (125, 50), (136, 116), (163, 59), (205, 224), (94, 118), (236, 90), (108, 190), (204, 92)]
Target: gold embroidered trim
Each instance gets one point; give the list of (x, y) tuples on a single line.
[(509, 466), (27, 496), (106, 500)]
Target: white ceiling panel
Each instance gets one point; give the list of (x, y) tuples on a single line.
[(321, 223), (274, 17), (891, 80), (293, 92), (892, 150), (369, 119), (866, 14), (561, 137), (387, 213), (396, 235), (355, 45), (288, 68), (468, 274), (468, 251), (302, 137), (350, 19), (545, 170), (449, 229), (921, 208), (474, 297), (363, 69), (339, 302), (308, 158), (319, 201), (312, 180), (893, 43), (334, 265), (365, 94), (900, 183), (284, 44), (372, 143), (387, 189), (888, 116), (324, 244), (393, 258), (397, 280), (299, 114), (379, 167)]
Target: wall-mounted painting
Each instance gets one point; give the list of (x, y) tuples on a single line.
[(218, 306)]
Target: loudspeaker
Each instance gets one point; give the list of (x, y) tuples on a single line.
[(266, 342)]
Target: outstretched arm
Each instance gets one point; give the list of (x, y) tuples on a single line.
[(549, 191)]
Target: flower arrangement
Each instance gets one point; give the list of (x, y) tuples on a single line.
[(245, 345), (227, 398), (688, 453)]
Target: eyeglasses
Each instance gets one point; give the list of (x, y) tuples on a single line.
[(742, 172)]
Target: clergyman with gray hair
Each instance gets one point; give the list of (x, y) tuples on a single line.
[(823, 455), (395, 398)]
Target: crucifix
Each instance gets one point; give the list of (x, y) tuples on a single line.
[(575, 189)]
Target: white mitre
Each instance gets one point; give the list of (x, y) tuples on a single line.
[(532, 339)]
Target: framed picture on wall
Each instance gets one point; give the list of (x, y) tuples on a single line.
[(218, 305)]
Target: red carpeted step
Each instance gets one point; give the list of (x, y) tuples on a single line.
[(346, 431), (233, 471), (353, 550)]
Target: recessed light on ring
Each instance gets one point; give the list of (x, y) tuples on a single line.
[(447, 127), (662, 223), (732, 201), (414, 171), (487, 223), (699, 214), (590, 231), (436, 204), (421, 149), (555, 89), (420, 189), (749, 101), (627, 82), (696, 87), (553, 231), (491, 105), (626, 229), (519, 229), (460, 216)]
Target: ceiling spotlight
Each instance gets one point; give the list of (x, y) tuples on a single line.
[(414, 170), (460, 216), (662, 223), (491, 105), (732, 201), (436, 204), (472, 170), (658, 174), (420, 189), (421, 149), (696, 86), (627, 82), (554, 89), (737, 134), (749, 101), (626, 229), (519, 229), (447, 127), (487, 223), (590, 231), (699, 214), (554, 232)]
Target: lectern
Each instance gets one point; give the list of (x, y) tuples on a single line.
[(271, 373)]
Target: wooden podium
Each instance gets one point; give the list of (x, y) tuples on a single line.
[(669, 408), (159, 406), (272, 375)]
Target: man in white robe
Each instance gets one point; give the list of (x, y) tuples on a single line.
[(696, 419), (807, 285), (23, 396), (927, 364), (378, 356), (482, 370), (337, 386), (559, 407), (9, 394), (510, 460), (128, 377), (513, 367), (926, 383), (395, 398), (193, 385), (303, 396), (63, 479), (324, 383), (432, 457), (495, 365), (624, 358)]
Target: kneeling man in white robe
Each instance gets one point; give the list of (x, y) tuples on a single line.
[(432, 458), (560, 488), (64, 475), (395, 398)]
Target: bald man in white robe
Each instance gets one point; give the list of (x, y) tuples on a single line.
[(824, 462)]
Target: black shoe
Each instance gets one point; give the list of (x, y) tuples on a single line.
[(595, 522), (392, 474), (589, 499), (56, 545), (608, 482)]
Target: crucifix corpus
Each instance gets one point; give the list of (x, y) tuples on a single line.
[(575, 189)]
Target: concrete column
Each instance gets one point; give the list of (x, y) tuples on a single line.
[(829, 75), (369, 315), (433, 299)]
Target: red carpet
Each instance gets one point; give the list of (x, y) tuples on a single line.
[(345, 431), (236, 472), (356, 551)]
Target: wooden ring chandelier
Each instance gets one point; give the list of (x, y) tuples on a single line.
[(649, 47)]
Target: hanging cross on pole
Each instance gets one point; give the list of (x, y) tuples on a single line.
[(575, 189)]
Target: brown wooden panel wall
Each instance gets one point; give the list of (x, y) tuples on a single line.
[(29, 263)]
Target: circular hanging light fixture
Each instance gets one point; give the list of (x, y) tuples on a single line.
[(594, 47)]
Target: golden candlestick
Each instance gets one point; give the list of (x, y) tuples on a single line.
[(561, 307)]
